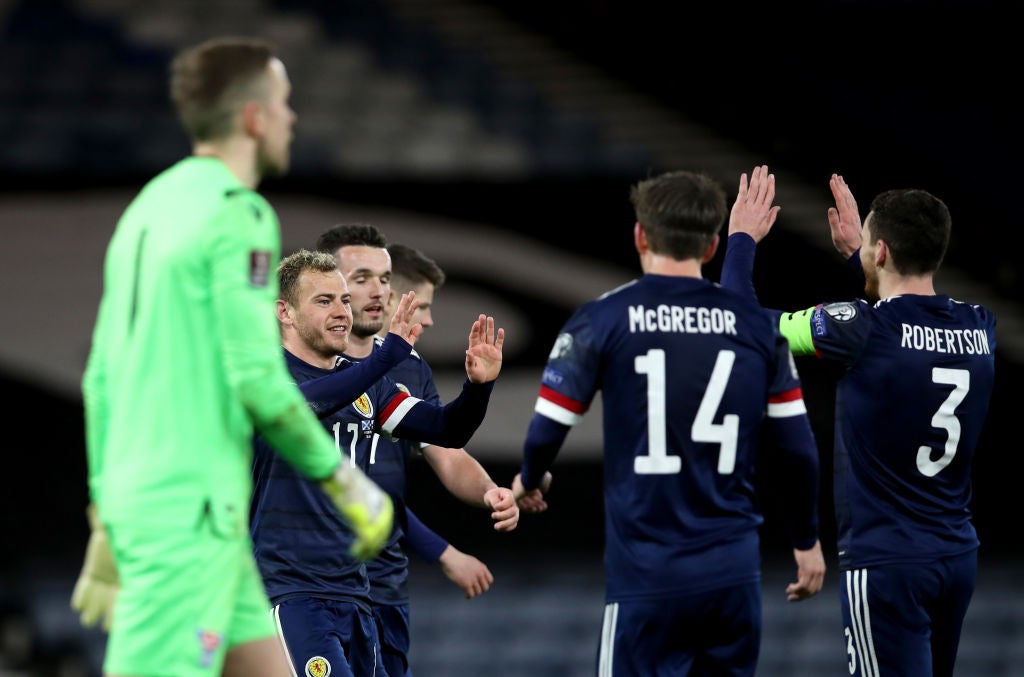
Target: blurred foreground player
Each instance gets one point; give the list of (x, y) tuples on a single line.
[(185, 366)]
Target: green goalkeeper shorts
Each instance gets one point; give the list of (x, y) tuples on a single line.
[(187, 597)]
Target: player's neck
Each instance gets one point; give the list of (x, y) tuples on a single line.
[(359, 347), (900, 285), (302, 351), (658, 264), (237, 153)]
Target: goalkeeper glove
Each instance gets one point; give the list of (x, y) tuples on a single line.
[(98, 583), (364, 506)]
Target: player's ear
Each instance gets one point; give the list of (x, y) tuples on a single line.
[(252, 118), (282, 311), (709, 253), (640, 239), (881, 253)]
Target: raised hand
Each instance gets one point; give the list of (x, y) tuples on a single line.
[(753, 212), (533, 500), (401, 319), (504, 509), (844, 219), (466, 571), (483, 357)]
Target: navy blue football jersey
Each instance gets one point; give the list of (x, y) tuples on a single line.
[(909, 411), (300, 541), (687, 373), (389, 571)]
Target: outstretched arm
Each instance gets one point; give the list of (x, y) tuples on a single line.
[(750, 220), (752, 217), (454, 424), (467, 480), (421, 539), (465, 571), (753, 212), (329, 393), (544, 439), (531, 500)]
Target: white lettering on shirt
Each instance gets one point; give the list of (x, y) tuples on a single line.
[(950, 341), (681, 320)]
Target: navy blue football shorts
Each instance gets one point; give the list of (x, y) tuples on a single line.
[(394, 632), (716, 632), (329, 637), (905, 619)]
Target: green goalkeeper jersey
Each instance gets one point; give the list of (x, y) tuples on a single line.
[(186, 356)]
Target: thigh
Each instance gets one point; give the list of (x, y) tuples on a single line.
[(732, 640), (257, 658), (329, 637), (250, 621), (394, 628), (711, 633), (885, 621), (180, 593), (948, 610)]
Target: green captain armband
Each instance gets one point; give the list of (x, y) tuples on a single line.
[(796, 327)]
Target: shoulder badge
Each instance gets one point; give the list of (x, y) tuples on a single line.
[(563, 344), (259, 267), (841, 312)]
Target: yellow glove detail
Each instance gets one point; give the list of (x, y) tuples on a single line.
[(97, 585), (364, 506)]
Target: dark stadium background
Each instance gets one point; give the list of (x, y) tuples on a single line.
[(890, 94)]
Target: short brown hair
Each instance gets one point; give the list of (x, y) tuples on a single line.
[(680, 211), (410, 267), (210, 82), (351, 235), (294, 265), (915, 225)]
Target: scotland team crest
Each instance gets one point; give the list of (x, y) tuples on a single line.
[(318, 666), (563, 344), (364, 406)]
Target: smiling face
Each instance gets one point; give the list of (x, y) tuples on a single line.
[(368, 273), (322, 319)]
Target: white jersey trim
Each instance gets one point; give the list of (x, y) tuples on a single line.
[(860, 616), (399, 413), (786, 409), (556, 413)]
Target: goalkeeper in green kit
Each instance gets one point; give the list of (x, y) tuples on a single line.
[(185, 366)]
